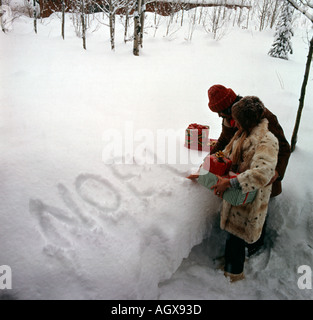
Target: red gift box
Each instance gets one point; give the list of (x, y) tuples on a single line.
[(217, 163), (210, 145), (197, 137)]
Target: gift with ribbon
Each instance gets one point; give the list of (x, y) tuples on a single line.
[(197, 137), (217, 163)]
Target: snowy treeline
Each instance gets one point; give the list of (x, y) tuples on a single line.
[(216, 17)]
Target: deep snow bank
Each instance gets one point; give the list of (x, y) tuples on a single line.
[(73, 227)]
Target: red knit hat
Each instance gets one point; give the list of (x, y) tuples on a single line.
[(220, 98)]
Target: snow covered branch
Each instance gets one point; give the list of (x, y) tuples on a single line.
[(304, 8), (307, 2)]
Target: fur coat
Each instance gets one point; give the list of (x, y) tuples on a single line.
[(284, 147), (259, 159)]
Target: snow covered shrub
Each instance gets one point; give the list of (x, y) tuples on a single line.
[(22, 7), (6, 18)]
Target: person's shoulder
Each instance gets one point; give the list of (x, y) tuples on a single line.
[(262, 132), (270, 116)]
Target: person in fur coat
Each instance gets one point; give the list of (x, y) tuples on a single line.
[(221, 100), (254, 153)]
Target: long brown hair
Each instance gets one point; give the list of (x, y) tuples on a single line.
[(249, 112)]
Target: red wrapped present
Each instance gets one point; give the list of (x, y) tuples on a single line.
[(197, 136), (210, 145), (217, 163)]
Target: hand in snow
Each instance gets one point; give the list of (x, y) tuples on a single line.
[(276, 175), (193, 176), (221, 186)]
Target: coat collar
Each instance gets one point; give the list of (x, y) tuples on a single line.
[(260, 129)]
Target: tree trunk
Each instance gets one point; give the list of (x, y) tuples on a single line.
[(63, 19), (35, 15), (240, 14), (137, 28), (301, 100), (142, 21), (182, 17), (82, 16), (112, 25), (274, 14), (126, 25)]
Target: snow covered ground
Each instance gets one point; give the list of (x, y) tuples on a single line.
[(77, 224)]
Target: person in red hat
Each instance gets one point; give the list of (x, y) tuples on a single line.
[(221, 100)]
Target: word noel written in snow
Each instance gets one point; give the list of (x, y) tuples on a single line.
[(5, 277), (166, 309)]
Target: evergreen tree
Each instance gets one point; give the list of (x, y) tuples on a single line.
[(282, 38)]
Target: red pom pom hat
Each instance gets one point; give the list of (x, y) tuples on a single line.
[(220, 98)]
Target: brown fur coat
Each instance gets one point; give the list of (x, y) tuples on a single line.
[(259, 159)]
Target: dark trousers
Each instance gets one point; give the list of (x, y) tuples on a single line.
[(235, 252)]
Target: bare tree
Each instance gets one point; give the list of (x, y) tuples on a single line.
[(248, 14), (112, 23), (142, 21), (139, 18), (83, 22), (302, 96), (240, 14), (35, 15), (192, 25), (110, 8), (157, 20), (217, 20), (170, 16), (275, 13), (137, 27), (63, 20), (303, 7), (128, 7), (79, 19), (264, 12)]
